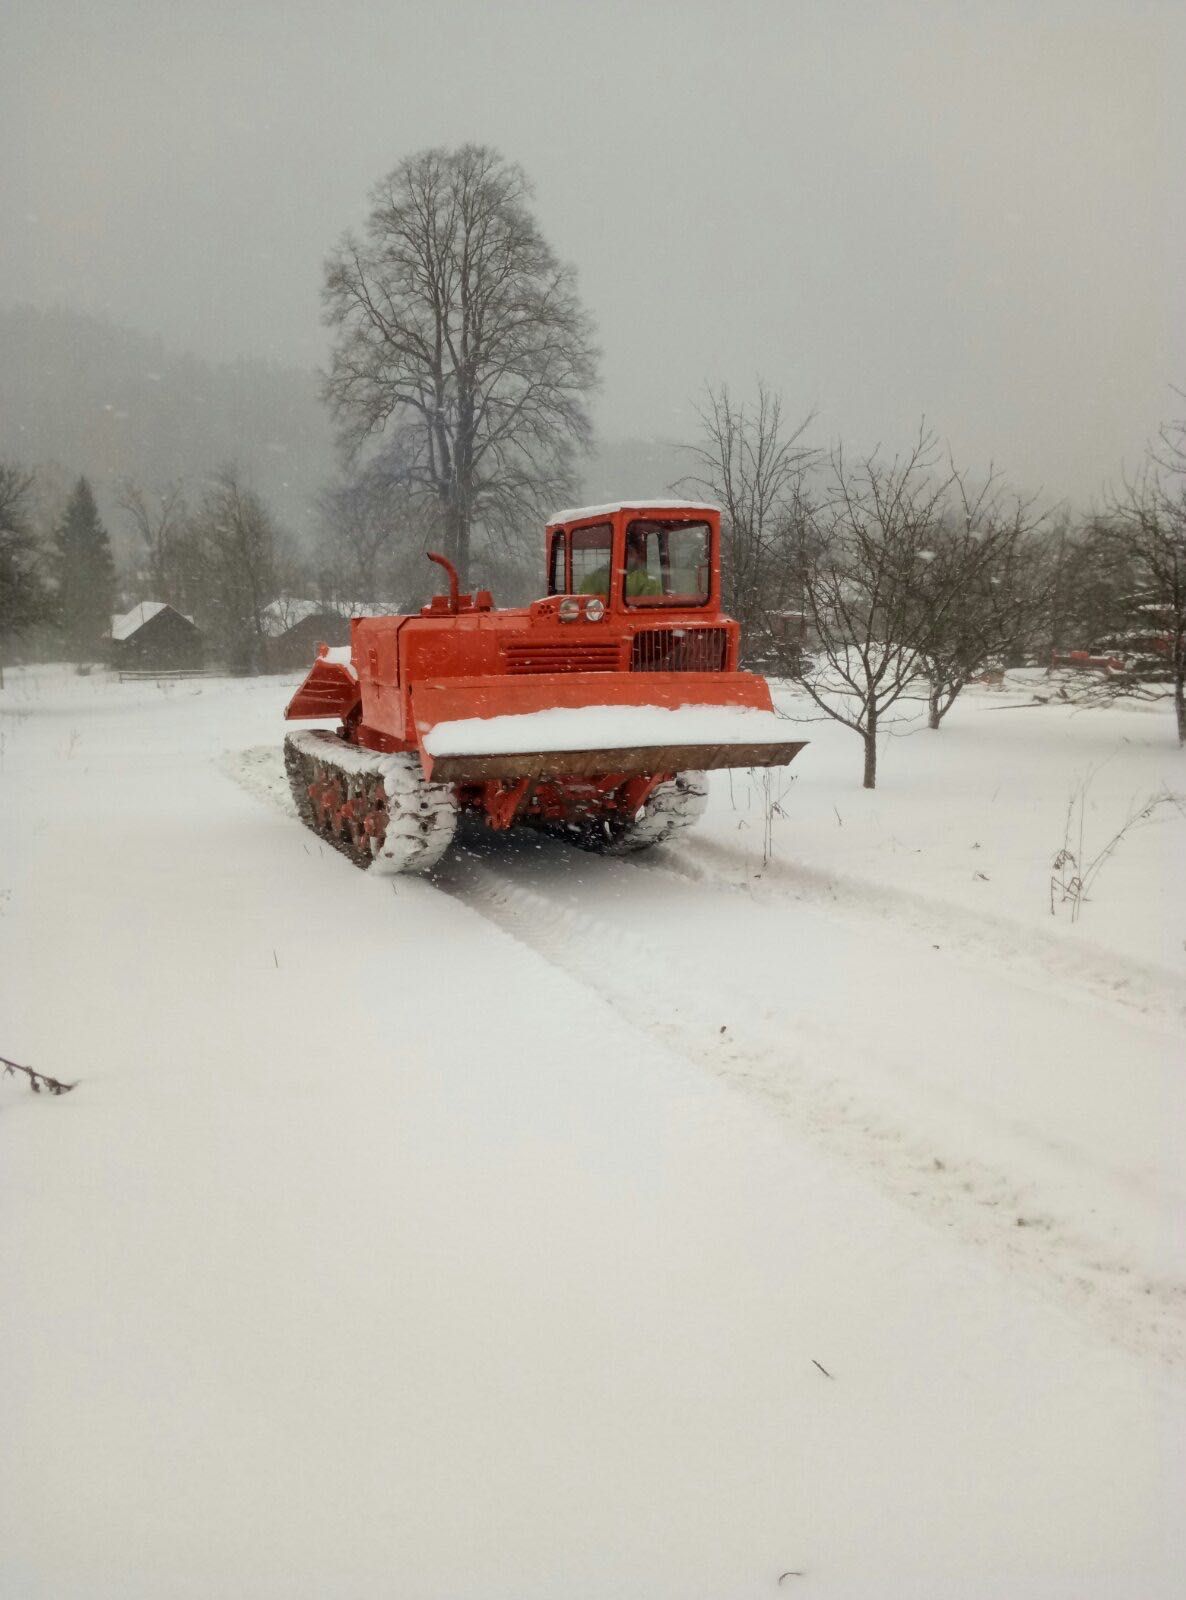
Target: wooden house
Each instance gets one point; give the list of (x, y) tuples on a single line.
[(153, 637)]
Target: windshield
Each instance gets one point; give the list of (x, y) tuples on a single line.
[(667, 563)]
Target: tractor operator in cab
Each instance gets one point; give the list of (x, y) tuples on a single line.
[(638, 579)]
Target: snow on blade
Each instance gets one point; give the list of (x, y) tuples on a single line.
[(606, 728)]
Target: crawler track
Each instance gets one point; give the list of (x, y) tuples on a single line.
[(673, 805), (378, 810)]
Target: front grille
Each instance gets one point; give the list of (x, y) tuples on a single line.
[(680, 650), (555, 656)]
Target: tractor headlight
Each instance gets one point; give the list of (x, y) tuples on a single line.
[(594, 609), (569, 610)]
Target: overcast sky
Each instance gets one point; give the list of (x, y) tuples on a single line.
[(972, 210)]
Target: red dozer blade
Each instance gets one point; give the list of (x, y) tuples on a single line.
[(582, 724)]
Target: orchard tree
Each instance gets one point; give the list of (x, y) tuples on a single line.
[(85, 574), (1148, 523), (23, 596), (862, 573), (980, 589), (456, 326)]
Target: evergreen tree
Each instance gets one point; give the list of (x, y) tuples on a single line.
[(86, 574)]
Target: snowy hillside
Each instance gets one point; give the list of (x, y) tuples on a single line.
[(799, 1209)]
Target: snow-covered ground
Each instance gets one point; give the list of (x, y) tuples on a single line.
[(804, 1201)]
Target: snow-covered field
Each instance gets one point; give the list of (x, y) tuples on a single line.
[(799, 1209)]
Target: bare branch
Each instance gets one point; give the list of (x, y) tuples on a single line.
[(37, 1080)]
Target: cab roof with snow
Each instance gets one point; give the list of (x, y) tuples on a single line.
[(582, 513)]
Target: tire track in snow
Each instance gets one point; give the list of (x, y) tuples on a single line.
[(776, 1058), (982, 939), (991, 1208)]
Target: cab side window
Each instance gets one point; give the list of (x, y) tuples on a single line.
[(556, 577)]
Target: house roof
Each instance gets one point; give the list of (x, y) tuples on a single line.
[(123, 627)]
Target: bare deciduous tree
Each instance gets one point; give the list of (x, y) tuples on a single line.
[(16, 486), (979, 592), (752, 466), (1150, 518), (159, 520), (233, 552), (375, 531), (862, 574), (456, 325)]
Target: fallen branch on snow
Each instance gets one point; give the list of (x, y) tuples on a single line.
[(37, 1080)]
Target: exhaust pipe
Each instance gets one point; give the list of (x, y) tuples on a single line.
[(454, 580)]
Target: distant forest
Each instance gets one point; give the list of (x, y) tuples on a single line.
[(85, 396)]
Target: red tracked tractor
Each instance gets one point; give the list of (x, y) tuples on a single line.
[(594, 712)]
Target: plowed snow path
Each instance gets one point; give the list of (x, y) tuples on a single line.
[(1034, 956), (381, 1251), (1029, 1108)]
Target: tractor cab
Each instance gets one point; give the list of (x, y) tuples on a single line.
[(649, 555)]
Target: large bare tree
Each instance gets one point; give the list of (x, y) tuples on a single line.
[(456, 324)]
